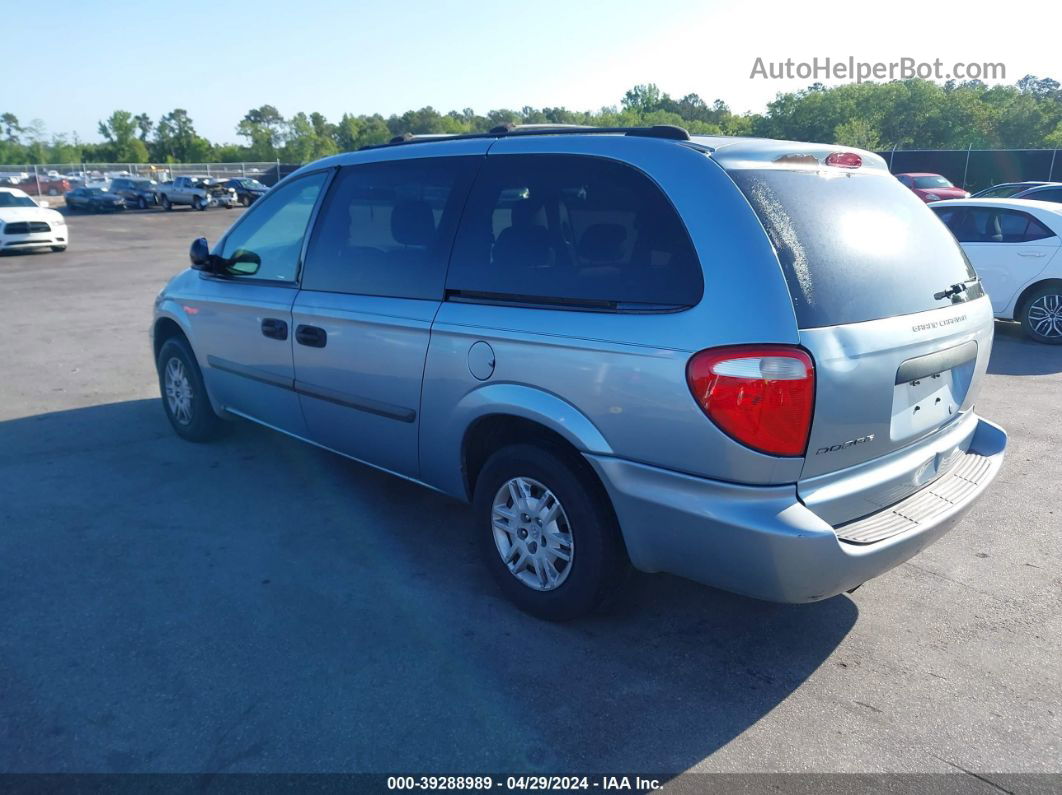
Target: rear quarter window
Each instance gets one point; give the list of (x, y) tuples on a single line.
[(853, 247), (573, 229)]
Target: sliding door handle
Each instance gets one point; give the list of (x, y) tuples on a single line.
[(311, 336)]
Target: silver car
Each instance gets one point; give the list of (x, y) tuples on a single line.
[(751, 363)]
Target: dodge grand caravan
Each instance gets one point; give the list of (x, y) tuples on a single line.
[(751, 363)]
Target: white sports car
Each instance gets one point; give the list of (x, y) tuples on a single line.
[(24, 224)]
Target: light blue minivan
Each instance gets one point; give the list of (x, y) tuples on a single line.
[(751, 363)]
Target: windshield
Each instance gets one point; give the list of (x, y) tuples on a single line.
[(251, 183), (12, 200), (932, 181), (853, 247)]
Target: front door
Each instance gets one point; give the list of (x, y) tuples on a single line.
[(242, 319)]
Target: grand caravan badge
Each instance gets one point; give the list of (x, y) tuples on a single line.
[(845, 445)]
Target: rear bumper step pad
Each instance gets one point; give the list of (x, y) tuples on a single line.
[(947, 492)]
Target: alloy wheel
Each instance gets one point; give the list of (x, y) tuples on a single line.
[(1045, 316)]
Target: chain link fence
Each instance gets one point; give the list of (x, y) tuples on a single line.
[(47, 179), (973, 169), (977, 169)]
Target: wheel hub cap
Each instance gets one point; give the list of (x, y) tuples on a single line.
[(178, 391), (1045, 316), (532, 534)]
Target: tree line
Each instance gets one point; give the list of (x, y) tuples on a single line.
[(906, 114)]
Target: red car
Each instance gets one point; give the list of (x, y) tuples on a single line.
[(52, 186), (932, 187)]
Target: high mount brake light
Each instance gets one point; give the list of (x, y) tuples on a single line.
[(844, 160), (762, 396)]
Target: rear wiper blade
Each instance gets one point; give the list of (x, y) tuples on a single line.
[(955, 289)]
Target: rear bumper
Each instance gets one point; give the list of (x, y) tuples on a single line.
[(762, 541)]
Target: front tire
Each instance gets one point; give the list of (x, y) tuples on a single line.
[(141, 203), (58, 249), (548, 533), (1041, 319), (166, 203), (245, 200), (197, 203), (184, 397)]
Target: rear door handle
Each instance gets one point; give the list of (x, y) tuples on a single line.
[(274, 328), (311, 336), (1030, 253)]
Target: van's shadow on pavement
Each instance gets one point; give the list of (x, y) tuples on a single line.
[(1015, 354), (260, 605)]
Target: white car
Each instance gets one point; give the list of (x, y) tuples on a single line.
[(25, 224), (1014, 246)]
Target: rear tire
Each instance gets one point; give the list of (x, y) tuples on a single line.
[(556, 552), (184, 398), (1041, 317)]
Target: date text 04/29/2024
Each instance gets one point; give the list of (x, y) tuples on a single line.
[(524, 783)]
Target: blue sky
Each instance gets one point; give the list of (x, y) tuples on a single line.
[(218, 59)]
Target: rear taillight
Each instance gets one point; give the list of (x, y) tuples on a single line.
[(844, 160), (761, 395)]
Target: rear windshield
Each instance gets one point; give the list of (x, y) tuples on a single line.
[(853, 247)]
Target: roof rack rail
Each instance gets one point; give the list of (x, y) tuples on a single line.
[(511, 127), (670, 131), (666, 131)]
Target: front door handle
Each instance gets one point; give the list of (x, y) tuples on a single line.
[(274, 328), (311, 336), (1030, 253)]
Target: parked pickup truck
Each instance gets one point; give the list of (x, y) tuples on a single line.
[(197, 192)]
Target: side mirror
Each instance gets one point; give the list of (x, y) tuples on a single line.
[(199, 254), (44, 203)]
